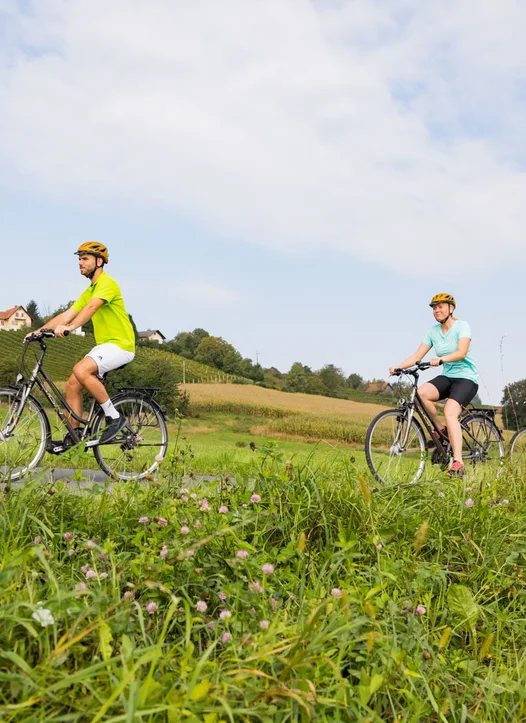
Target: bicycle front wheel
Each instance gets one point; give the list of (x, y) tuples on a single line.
[(518, 449), (136, 451), (395, 453), (481, 440), (23, 434)]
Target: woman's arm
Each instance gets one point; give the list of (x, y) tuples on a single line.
[(460, 353), (416, 357)]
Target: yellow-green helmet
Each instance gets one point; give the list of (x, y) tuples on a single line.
[(95, 249), (443, 299)]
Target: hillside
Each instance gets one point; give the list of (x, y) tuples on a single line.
[(62, 354)]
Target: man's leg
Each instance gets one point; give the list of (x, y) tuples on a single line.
[(74, 399), (86, 374)]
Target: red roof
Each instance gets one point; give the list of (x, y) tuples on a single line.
[(4, 315)]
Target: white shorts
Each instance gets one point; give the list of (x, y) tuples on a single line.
[(110, 356)]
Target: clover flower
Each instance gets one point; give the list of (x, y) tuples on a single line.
[(255, 499), (267, 568), (152, 608), (264, 624), (201, 606)]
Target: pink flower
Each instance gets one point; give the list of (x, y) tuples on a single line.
[(164, 552), (91, 545), (267, 568), (274, 604), (201, 606), (184, 530), (224, 614), (336, 592), (161, 521), (221, 595), (189, 553), (420, 610), (193, 496), (263, 624), (71, 552), (211, 625), (90, 574), (469, 502), (468, 489), (68, 536), (197, 525), (255, 498), (255, 587), (129, 595), (379, 546), (204, 505), (225, 637), (152, 608), (223, 510), (37, 540), (81, 587), (144, 520), (103, 575), (184, 498), (183, 491), (242, 554), (85, 568)]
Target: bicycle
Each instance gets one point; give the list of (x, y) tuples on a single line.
[(518, 447), (25, 430), (396, 448)]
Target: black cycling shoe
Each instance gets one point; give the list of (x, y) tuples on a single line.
[(113, 427), (59, 446)]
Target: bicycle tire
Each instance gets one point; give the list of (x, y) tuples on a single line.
[(23, 448), (141, 446), (382, 455), (518, 447), (482, 443)]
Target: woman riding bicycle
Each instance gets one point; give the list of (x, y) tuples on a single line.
[(451, 340)]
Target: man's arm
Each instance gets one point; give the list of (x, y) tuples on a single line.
[(78, 318)]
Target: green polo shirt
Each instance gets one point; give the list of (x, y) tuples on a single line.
[(111, 322)]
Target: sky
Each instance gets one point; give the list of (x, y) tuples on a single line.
[(297, 177)]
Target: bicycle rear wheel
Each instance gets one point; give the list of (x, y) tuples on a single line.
[(22, 445), (389, 459), (482, 441), (142, 444), (518, 449)]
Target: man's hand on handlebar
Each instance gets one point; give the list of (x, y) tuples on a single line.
[(62, 330), (44, 333)]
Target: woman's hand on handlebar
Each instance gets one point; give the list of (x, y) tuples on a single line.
[(435, 361)]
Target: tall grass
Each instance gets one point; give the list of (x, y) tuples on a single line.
[(403, 603)]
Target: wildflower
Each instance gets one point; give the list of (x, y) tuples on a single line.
[(469, 502), (91, 545), (244, 505), (81, 587), (211, 625), (164, 552), (221, 595), (37, 540), (161, 521), (71, 552), (274, 604), (184, 530), (90, 574), (201, 606), (292, 596), (255, 587), (103, 575), (336, 592), (144, 520), (85, 568), (441, 495), (255, 498), (197, 525), (193, 496), (68, 536), (252, 611), (379, 546), (420, 610), (468, 489), (152, 608), (242, 554), (159, 457), (184, 498), (225, 637), (43, 616), (263, 624), (267, 568), (129, 595), (189, 553), (223, 510), (224, 614), (204, 505), (183, 491), (504, 502)]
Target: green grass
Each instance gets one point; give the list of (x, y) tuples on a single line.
[(399, 604)]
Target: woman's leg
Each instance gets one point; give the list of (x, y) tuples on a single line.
[(428, 394), (452, 413)]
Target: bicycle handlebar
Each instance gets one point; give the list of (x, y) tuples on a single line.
[(43, 334), (418, 367)]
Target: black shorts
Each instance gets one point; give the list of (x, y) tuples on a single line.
[(461, 390)]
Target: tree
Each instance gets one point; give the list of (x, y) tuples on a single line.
[(186, 343), (514, 405), (296, 378), (34, 313), (315, 385), (333, 379), (134, 327), (215, 351), (354, 381)]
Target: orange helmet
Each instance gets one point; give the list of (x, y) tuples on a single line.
[(95, 249), (443, 299)]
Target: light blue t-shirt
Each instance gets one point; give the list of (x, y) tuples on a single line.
[(447, 344)]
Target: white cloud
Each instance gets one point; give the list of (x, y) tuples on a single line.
[(391, 131)]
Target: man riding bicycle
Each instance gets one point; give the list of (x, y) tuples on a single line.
[(103, 303), (451, 340)]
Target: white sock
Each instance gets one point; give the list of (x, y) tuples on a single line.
[(109, 410)]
